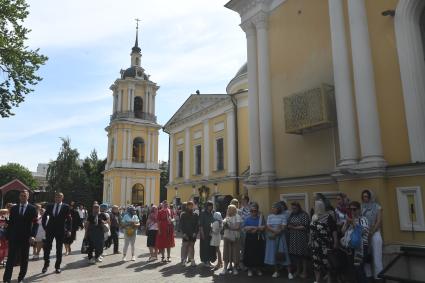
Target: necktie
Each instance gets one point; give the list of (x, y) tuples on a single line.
[(22, 210), (57, 210)]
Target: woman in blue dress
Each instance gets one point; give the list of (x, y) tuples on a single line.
[(276, 247)]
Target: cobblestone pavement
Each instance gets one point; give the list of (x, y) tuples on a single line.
[(75, 268)]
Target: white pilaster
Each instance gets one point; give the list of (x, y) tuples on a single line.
[(148, 190), (254, 130), (148, 150), (115, 144), (347, 128), (123, 191), (119, 107), (364, 83), (206, 148), (154, 143), (115, 102), (264, 96), (171, 161), (153, 104), (128, 99), (124, 144), (153, 190), (412, 70), (187, 154), (130, 147), (231, 143), (145, 100)]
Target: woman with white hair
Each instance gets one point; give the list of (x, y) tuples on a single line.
[(323, 238), (130, 222), (231, 250)]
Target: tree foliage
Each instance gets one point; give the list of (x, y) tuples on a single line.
[(163, 181), (79, 181), (12, 171), (18, 63)]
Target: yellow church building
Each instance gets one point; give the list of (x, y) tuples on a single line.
[(131, 174), (332, 99)]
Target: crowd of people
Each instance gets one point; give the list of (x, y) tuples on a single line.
[(342, 243)]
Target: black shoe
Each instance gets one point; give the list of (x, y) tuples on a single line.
[(58, 270), (45, 267)]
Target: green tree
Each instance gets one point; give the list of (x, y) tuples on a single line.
[(163, 181), (12, 171), (93, 168), (18, 63), (62, 172)]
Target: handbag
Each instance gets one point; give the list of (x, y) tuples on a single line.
[(280, 255), (84, 246)]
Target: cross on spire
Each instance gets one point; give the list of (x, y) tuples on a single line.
[(136, 47)]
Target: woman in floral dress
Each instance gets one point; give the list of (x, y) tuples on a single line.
[(3, 241), (323, 237)]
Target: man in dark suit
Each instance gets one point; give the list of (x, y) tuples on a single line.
[(57, 223), (21, 230)]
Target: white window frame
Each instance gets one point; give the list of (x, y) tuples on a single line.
[(403, 209)]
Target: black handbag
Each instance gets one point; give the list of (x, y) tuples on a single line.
[(84, 246)]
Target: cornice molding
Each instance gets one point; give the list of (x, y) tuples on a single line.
[(175, 123), (249, 8)]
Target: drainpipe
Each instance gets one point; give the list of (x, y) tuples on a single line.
[(235, 111)]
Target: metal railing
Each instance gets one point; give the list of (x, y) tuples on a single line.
[(134, 115)]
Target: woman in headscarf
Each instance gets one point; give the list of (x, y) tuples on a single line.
[(165, 236), (276, 247), (323, 238), (206, 218), (130, 222), (152, 230), (298, 223), (254, 227), (373, 213)]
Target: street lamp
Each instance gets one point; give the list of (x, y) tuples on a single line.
[(216, 188)]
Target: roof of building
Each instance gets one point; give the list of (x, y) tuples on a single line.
[(132, 72), (242, 70)]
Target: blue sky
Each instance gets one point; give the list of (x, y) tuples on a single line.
[(186, 45)]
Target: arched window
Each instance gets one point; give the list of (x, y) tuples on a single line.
[(138, 194), (138, 107), (139, 150)]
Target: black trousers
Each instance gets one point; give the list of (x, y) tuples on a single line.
[(48, 247), (95, 244), (114, 238), (21, 250)]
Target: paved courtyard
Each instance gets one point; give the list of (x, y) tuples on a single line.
[(75, 268)]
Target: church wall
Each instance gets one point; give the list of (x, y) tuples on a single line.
[(389, 91), (300, 59), (243, 139)]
